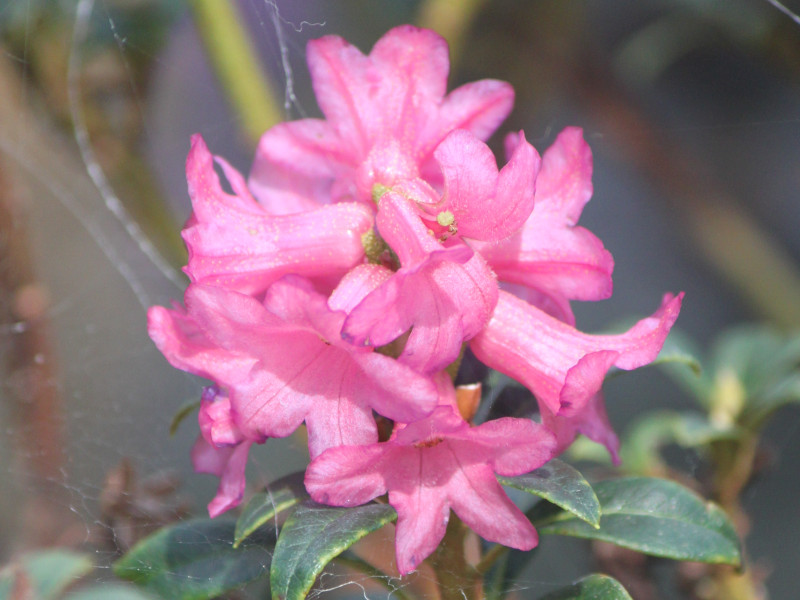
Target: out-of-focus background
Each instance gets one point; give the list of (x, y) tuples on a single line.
[(692, 110)]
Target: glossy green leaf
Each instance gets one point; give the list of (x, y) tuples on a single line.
[(314, 535), (264, 507), (48, 573), (194, 560), (653, 516), (679, 359), (563, 485), (593, 587)]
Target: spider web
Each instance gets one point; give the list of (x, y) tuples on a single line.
[(93, 268)]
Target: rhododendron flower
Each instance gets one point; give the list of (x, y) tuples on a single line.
[(234, 242), (385, 114), (444, 294), (284, 362), (554, 258), (563, 367), (433, 465)]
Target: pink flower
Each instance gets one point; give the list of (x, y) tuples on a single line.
[(433, 465), (234, 242), (563, 367), (551, 256), (284, 362), (444, 293), (385, 114)]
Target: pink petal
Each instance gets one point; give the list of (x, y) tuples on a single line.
[(234, 242), (541, 352), (487, 205), (217, 420), (356, 285), (418, 60), (565, 181), (229, 465), (510, 446), (481, 503), (550, 255), (479, 106), (342, 78), (422, 516), (295, 166), (592, 421), (347, 476)]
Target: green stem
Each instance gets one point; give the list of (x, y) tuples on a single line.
[(451, 20), (236, 65), (457, 579), (492, 556), (353, 562)]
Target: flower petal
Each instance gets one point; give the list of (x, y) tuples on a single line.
[(487, 205), (235, 243), (296, 164), (540, 351), (229, 465)]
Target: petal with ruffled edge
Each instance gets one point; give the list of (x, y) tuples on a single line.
[(228, 463), (486, 204), (563, 367), (234, 242), (550, 254), (592, 421)]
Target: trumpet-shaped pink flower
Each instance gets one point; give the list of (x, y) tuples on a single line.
[(385, 114), (284, 362), (433, 465), (444, 293), (234, 242), (563, 367), (554, 258)]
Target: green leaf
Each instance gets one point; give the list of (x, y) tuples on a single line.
[(265, 506), (194, 560), (563, 485), (593, 587), (183, 412), (116, 591), (48, 573), (314, 535), (640, 451), (653, 516), (759, 409)]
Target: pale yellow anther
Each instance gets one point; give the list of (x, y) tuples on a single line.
[(445, 218)]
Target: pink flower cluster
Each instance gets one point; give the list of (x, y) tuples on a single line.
[(365, 250)]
